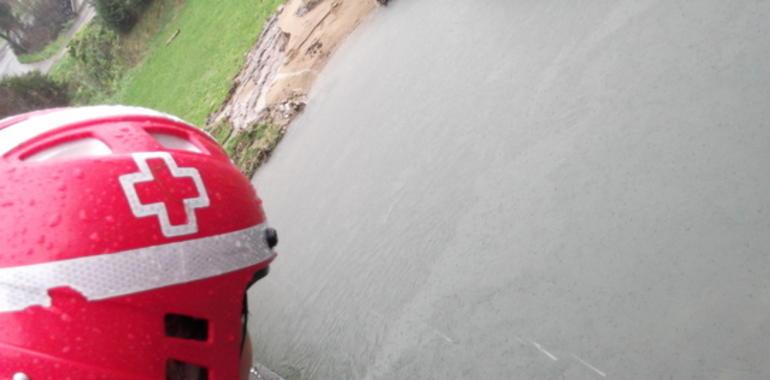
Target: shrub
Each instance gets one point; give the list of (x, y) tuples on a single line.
[(30, 92), (120, 15), (96, 54)]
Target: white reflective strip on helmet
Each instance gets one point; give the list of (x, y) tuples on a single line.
[(25, 130), (127, 272)]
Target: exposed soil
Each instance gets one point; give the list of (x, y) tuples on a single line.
[(294, 46)]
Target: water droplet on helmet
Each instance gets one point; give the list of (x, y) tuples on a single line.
[(6, 204), (54, 220), (94, 236), (78, 173)]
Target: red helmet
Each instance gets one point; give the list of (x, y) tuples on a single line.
[(128, 240)]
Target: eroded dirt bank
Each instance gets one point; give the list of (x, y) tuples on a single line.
[(280, 69), (293, 48)]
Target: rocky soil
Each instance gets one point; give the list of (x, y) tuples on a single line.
[(293, 48), (280, 69)]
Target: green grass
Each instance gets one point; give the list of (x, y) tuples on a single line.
[(61, 69), (248, 147), (192, 75), (49, 50)]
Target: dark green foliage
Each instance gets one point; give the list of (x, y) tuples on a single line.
[(30, 92), (96, 54), (120, 15)]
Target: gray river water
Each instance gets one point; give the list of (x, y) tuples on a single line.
[(527, 190)]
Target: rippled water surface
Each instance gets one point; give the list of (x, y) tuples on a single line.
[(528, 189)]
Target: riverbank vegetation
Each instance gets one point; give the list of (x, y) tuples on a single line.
[(30, 92), (179, 57), (175, 56)]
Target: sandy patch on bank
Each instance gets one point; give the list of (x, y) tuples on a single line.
[(293, 48)]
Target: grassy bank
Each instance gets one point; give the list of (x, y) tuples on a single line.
[(192, 74), (248, 147), (98, 57), (180, 58), (189, 75)]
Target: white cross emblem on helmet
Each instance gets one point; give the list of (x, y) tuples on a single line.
[(129, 181)]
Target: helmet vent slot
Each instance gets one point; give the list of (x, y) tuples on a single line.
[(186, 327), (179, 370), (83, 147), (175, 142)]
